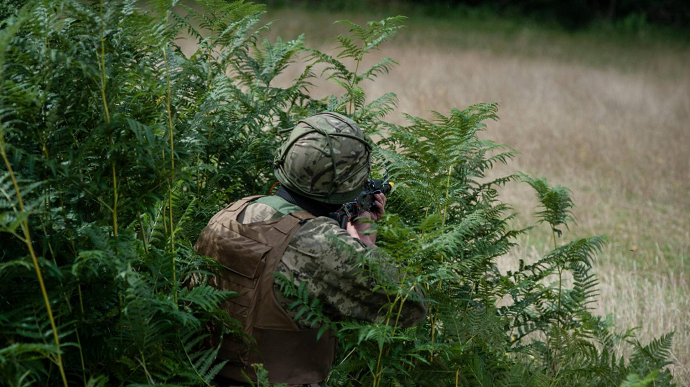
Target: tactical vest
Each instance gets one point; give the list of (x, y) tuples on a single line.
[(250, 254)]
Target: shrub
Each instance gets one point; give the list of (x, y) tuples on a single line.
[(117, 149)]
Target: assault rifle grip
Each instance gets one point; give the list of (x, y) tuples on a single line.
[(363, 202)]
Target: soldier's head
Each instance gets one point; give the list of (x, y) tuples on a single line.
[(326, 158)]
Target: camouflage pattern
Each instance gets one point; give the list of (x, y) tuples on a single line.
[(322, 255), (326, 158)]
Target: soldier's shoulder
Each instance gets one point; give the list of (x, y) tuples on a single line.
[(322, 225), (326, 234), (256, 212)]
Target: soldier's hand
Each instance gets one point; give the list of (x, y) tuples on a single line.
[(360, 227), (379, 207)]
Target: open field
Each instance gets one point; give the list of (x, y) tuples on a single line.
[(608, 118)]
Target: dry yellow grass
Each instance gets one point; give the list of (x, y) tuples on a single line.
[(620, 141), (608, 120)]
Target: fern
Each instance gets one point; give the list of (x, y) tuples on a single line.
[(121, 147), (556, 203), (204, 366), (307, 310)]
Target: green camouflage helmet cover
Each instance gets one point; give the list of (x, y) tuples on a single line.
[(326, 158)]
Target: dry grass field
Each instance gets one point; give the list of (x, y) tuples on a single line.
[(607, 117)]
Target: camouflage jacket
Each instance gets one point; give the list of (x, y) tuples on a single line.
[(322, 255)]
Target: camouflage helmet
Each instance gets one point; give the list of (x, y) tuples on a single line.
[(326, 158)]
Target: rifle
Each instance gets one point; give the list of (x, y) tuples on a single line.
[(363, 202)]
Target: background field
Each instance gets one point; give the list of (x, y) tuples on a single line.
[(603, 114)]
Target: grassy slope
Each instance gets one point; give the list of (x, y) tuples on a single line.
[(604, 114)]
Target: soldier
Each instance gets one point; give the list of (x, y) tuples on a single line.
[(323, 164)]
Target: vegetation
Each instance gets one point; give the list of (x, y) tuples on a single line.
[(571, 15), (117, 149)]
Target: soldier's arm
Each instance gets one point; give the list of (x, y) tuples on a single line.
[(332, 263)]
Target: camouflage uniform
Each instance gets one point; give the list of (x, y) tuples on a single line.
[(316, 257)]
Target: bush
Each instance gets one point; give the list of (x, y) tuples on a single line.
[(117, 149)]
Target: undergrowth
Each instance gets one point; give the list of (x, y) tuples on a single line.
[(117, 149)]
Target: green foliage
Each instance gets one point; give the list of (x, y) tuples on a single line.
[(308, 309), (262, 378), (362, 41), (119, 148), (555, 201), (123, 149), (203, 362)]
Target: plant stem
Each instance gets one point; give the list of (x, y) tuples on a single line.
[(207, 159), (102, 68), (189, 359), (146, 371), (445, 208), (144, 239), (397, 317), (434, 318), (377, 377), (101, 64), (209, 55), (560, 287), (114, 175), (198, 179), (353, 84), (560, 280), (81, 301), (81, 358), (29, 245), (379, 370), (172, 171)]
